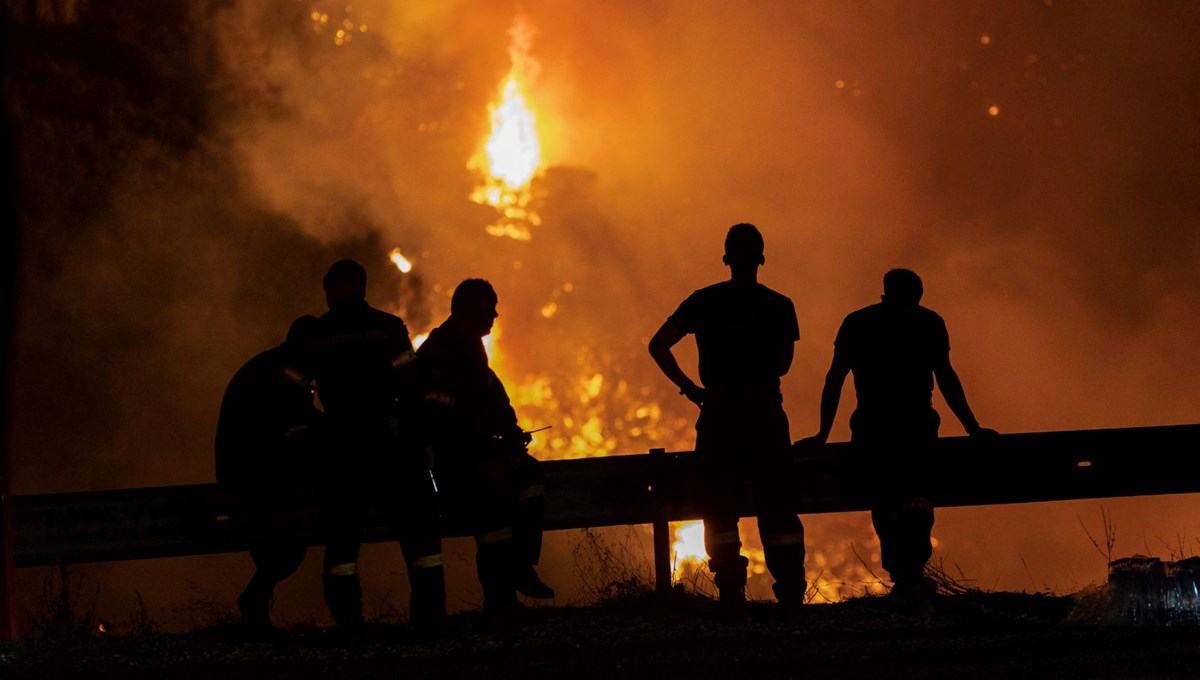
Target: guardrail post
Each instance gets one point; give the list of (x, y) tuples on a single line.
[(8, 604), (661, 528), (9, 260), (8, 585)]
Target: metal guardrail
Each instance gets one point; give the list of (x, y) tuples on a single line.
[(652, 488)]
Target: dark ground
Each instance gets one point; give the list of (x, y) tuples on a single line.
[(978, 636)]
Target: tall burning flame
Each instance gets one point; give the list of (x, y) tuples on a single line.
[(511, 156)]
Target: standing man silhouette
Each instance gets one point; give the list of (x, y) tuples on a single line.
[(745, 334), (362, 360), (895, 349)]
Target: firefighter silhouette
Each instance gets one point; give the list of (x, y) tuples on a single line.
[(486, 478), (372, 459), (895, 349), (745, 335), (265, 445)]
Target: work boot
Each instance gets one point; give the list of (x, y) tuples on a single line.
[(427, 606), (255, 608), (791, 600), (343, 596), (530, 585)]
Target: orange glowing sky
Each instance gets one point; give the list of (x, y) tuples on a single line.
[(1034, 162)]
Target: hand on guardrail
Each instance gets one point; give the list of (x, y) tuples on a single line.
[(983, 433), (813, 441)]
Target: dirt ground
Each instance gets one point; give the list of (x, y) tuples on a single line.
[(977, 636)]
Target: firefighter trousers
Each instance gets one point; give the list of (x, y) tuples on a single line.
[(409, 508), (501, 502), (893, 448), (276, 548), (743, 438), (904, 528), (781, 531)]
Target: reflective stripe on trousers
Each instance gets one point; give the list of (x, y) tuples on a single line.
[(427, 562), (496, 536), (347, 569)]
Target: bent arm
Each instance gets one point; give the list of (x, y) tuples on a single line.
[(956, 398), (831, 394), (783, 358), (667, 337)]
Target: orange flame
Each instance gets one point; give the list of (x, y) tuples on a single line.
[(596, 413), (511, 156)]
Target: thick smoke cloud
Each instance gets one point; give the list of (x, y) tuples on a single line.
[(188, 170)]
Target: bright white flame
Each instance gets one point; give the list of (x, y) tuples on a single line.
[(402, 263), (513, 150), (689, 544)]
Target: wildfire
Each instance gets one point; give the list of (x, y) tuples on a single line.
[(594, 409), (511, 156)]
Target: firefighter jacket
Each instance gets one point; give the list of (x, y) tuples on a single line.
[(467, 407), (267, 423), (360, 361)]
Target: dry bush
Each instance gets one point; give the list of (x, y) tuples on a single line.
[(61, 611), (612, 569)]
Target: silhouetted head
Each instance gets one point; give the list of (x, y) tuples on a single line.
[(902, 287), (301, 331), (743, 246), (474, 305), (295, 345), (346, 281)]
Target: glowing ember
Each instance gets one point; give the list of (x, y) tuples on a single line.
[(511, 156), (343, 32), (993, 110), (402, 263)]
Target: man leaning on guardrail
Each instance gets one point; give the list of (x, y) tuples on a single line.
[(895, 349)]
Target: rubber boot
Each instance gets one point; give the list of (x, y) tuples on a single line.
[(343, 596), (254, 605), (427, 608)]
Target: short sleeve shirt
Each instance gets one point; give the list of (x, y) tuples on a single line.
[(739, 329), (892, 351)]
